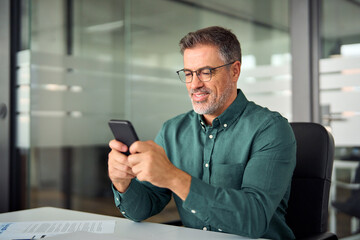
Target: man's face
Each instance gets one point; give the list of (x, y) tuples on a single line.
[(213, 97)]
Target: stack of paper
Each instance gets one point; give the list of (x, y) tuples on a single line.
[(38, 230)]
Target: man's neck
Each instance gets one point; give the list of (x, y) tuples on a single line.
[(209, 118)]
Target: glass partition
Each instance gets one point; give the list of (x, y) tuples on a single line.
[(84, 62), (339, 98), (71, 81)]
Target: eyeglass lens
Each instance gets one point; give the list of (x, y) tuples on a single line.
[(187, 75)]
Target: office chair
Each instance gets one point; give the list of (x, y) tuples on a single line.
[(307, 213)]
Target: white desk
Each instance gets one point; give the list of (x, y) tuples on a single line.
[(124, 228)]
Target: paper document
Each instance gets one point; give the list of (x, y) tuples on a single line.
[(85, 236), (38, 230)]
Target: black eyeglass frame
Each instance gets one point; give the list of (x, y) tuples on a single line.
[(198, 72)]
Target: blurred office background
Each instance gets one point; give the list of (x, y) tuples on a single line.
[(79, 63)]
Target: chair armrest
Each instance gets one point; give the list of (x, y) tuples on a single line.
[(347, 185)]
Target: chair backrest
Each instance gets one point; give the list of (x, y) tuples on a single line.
[(308, 204)]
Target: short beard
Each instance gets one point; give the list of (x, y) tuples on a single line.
[(213, 106)]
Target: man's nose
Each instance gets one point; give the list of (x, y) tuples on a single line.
[(196, 82)]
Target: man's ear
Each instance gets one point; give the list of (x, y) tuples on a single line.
[(235, 70)]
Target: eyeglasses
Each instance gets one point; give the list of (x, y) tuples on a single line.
[(203, 74)]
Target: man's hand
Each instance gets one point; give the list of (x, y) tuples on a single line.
[(120, 172), (149, 162)]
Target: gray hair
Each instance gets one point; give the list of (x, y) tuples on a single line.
[(224, 39)]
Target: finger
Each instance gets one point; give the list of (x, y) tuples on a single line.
[(120, 168), (137, 169), (116, 175), (119, 162), (135, 159), (140, 147), (118, 157), (119, 146)]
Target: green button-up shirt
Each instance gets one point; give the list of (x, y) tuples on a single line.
[(241, 170)]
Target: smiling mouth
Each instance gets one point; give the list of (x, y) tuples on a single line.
[(200, 96)]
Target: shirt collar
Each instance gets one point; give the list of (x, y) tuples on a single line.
[(230, 114)]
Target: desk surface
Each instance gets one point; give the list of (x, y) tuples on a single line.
[(124, 228)]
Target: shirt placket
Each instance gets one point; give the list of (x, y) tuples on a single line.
[(208, 148)]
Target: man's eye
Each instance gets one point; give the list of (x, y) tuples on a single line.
[(188, 74), (206, 73)]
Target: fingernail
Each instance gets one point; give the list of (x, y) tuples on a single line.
[(123, 148)]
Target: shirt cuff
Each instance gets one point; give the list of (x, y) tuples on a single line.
[(198, 201), (124, 200)]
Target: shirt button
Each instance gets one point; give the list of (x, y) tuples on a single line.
[(205, 228), (123, 212), (225, 125), (206, 165), (211, 136), (220, 230), (193, 211), (117, 199)]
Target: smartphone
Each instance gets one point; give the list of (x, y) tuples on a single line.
[(124, 132)]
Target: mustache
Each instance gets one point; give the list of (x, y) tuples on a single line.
[(200, 90)]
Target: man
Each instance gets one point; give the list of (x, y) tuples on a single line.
[(228, 162)]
